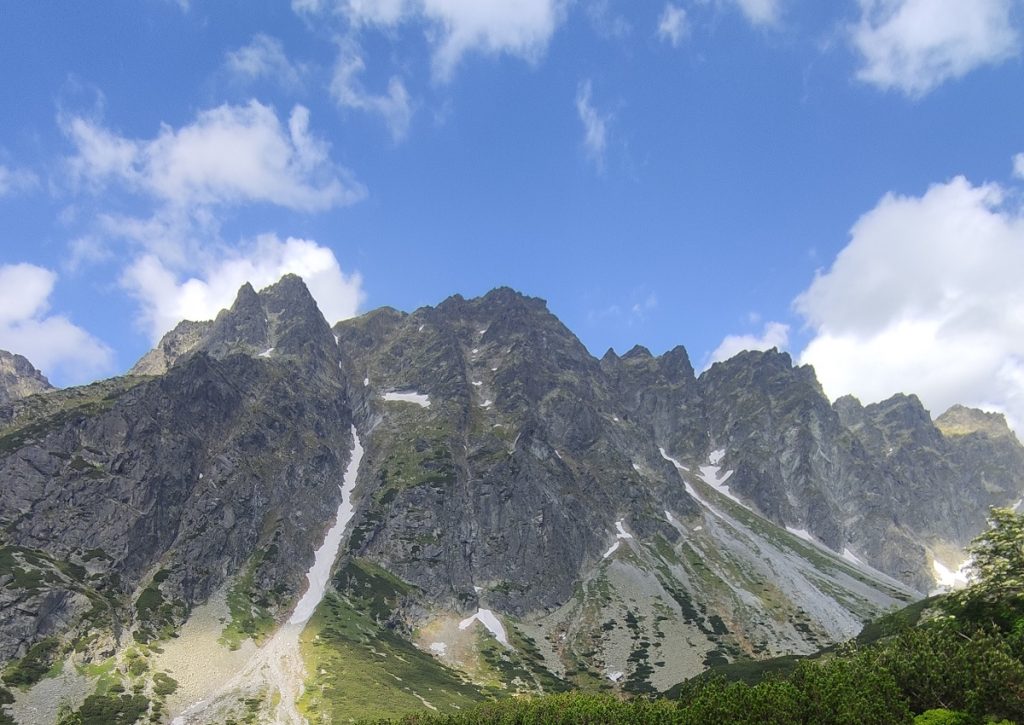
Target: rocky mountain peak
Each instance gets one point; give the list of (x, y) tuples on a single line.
[(19, 378), (961, 420), (638, 352), (282, 319), (183, 339), (676, 363)]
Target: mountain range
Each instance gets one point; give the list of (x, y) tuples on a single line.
[(525, 517)]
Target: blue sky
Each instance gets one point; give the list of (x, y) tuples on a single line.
[(839, 179)]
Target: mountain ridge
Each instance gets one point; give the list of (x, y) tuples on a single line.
[(599, 506)]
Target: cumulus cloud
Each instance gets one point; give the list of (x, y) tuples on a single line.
[(913, 46), (774, 334), (13, 181), (264, 58), (457, 27), (394, 106), (167, 297), (926, 298), (672, 25), (594, 124), (51, 342), (1018, 166), (228, 155)]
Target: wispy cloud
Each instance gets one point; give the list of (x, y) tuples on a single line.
[(595, 125), (394, 106), (672, 25), (264, 58), (13, 181), (457, 27)]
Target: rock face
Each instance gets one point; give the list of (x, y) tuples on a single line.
[(632, 520), (177, 343), (227, 462), (19, 379)]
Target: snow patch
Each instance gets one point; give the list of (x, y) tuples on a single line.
[(487, 404), (200, 477), (439, 648), (494, 370), (366, 382), (851, 557), (614, 676), (486, 617), (267, 352), (712, 475), (802, 533), (690, 489), (669, 517), (620, 536), (323, 559), (1016, 506), (477, 383), (408, 396), (421, 329), (636, 468)]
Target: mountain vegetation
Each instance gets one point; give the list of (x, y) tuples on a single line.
[(526, 521), (961, 664)]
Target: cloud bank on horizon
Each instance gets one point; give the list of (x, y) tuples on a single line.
[(175, 215)]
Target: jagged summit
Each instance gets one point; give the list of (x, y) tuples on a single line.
[(282, 319), (960, 420), (637, 351), (508, 476), (19, 378)]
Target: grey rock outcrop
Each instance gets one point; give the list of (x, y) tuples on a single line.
[(19, 378), (505, 468)]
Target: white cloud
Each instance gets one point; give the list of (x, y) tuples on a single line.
[(594, 125), (51, 342), (761, 12), (456, 27), (167, 297), (228, 155), (264, 58), (926, 298), (607, 23), (672, 25), (915, 45), (16, 180), (1018, 166), (394, 106), (774, 334)]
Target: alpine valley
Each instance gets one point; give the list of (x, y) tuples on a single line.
[(272, 520)]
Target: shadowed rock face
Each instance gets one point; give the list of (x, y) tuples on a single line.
[(224, 459), (19, 379), (223, 452)]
